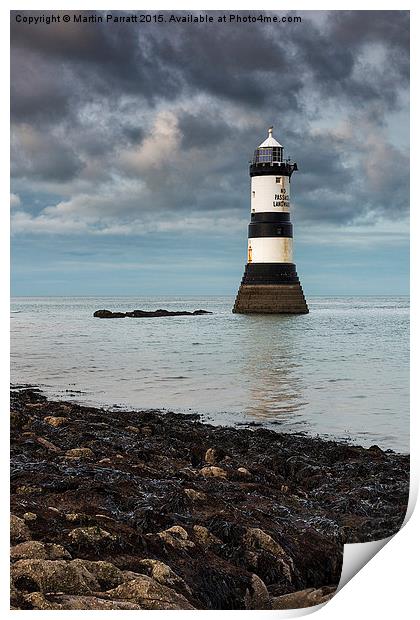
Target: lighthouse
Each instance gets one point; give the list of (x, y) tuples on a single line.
[(270, 284)]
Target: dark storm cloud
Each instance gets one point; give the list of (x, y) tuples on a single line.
[(36, 155), (202, 132), (178, 107), (159, 64), (331, 55), (365, 27)]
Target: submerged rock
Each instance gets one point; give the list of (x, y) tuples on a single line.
[(139, 314)]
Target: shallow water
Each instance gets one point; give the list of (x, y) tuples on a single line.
[(340, 371)]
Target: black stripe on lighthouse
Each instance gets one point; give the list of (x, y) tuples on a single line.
[(270, 273), (270, 216), (270, 230)]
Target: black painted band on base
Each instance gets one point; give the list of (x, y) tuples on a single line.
[(270, 273), (270, 230), (270, 217)]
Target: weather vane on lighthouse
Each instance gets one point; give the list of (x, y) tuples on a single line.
[(270, 284)]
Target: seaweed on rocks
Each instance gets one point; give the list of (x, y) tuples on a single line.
[(157, 510)]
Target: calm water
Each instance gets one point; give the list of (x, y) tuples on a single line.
[(341, 371)]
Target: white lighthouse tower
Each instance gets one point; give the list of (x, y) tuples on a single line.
[(270, 283)]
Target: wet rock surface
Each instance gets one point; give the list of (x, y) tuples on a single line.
[(183, 515), (140, 314)]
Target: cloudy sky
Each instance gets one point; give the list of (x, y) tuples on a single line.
[(131, 142)]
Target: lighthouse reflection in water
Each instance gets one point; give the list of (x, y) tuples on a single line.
[(272, 368)]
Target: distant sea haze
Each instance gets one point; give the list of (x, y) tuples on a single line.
[(340, 372)]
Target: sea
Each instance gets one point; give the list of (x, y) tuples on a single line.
[(340, 372)]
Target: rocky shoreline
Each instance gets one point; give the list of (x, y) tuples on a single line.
[(151, 510)]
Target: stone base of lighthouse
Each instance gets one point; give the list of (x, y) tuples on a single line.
[(270, 288)]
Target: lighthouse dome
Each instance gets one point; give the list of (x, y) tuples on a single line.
[(269, 152), (270, 141)]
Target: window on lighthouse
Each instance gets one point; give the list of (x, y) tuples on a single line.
[(277, 154), (264, 155)]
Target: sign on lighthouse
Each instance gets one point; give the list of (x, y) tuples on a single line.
[(270, 284)]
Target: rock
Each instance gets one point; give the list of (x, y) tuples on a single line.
[(55, 421), (215, 472), (139, 314), (17, 600), (257, 596), (80, 453), (244, 472), (376, 451), (19, 531), (107, 314), (18, 419), (211, 456), (195, 495), (204, 537), (256, 538), (54, 509), (165, 575), (27, 489), (30, 516), (132, 429), (90, 535), (251, 559), (177, 537), (52, 576), (150, 594), (303, 598), (75, 516), (47, 444), (35, 550), (106, 574), (105, 461), (115, 511), (69, 601)]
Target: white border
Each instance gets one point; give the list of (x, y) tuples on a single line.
[(387, 586)]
